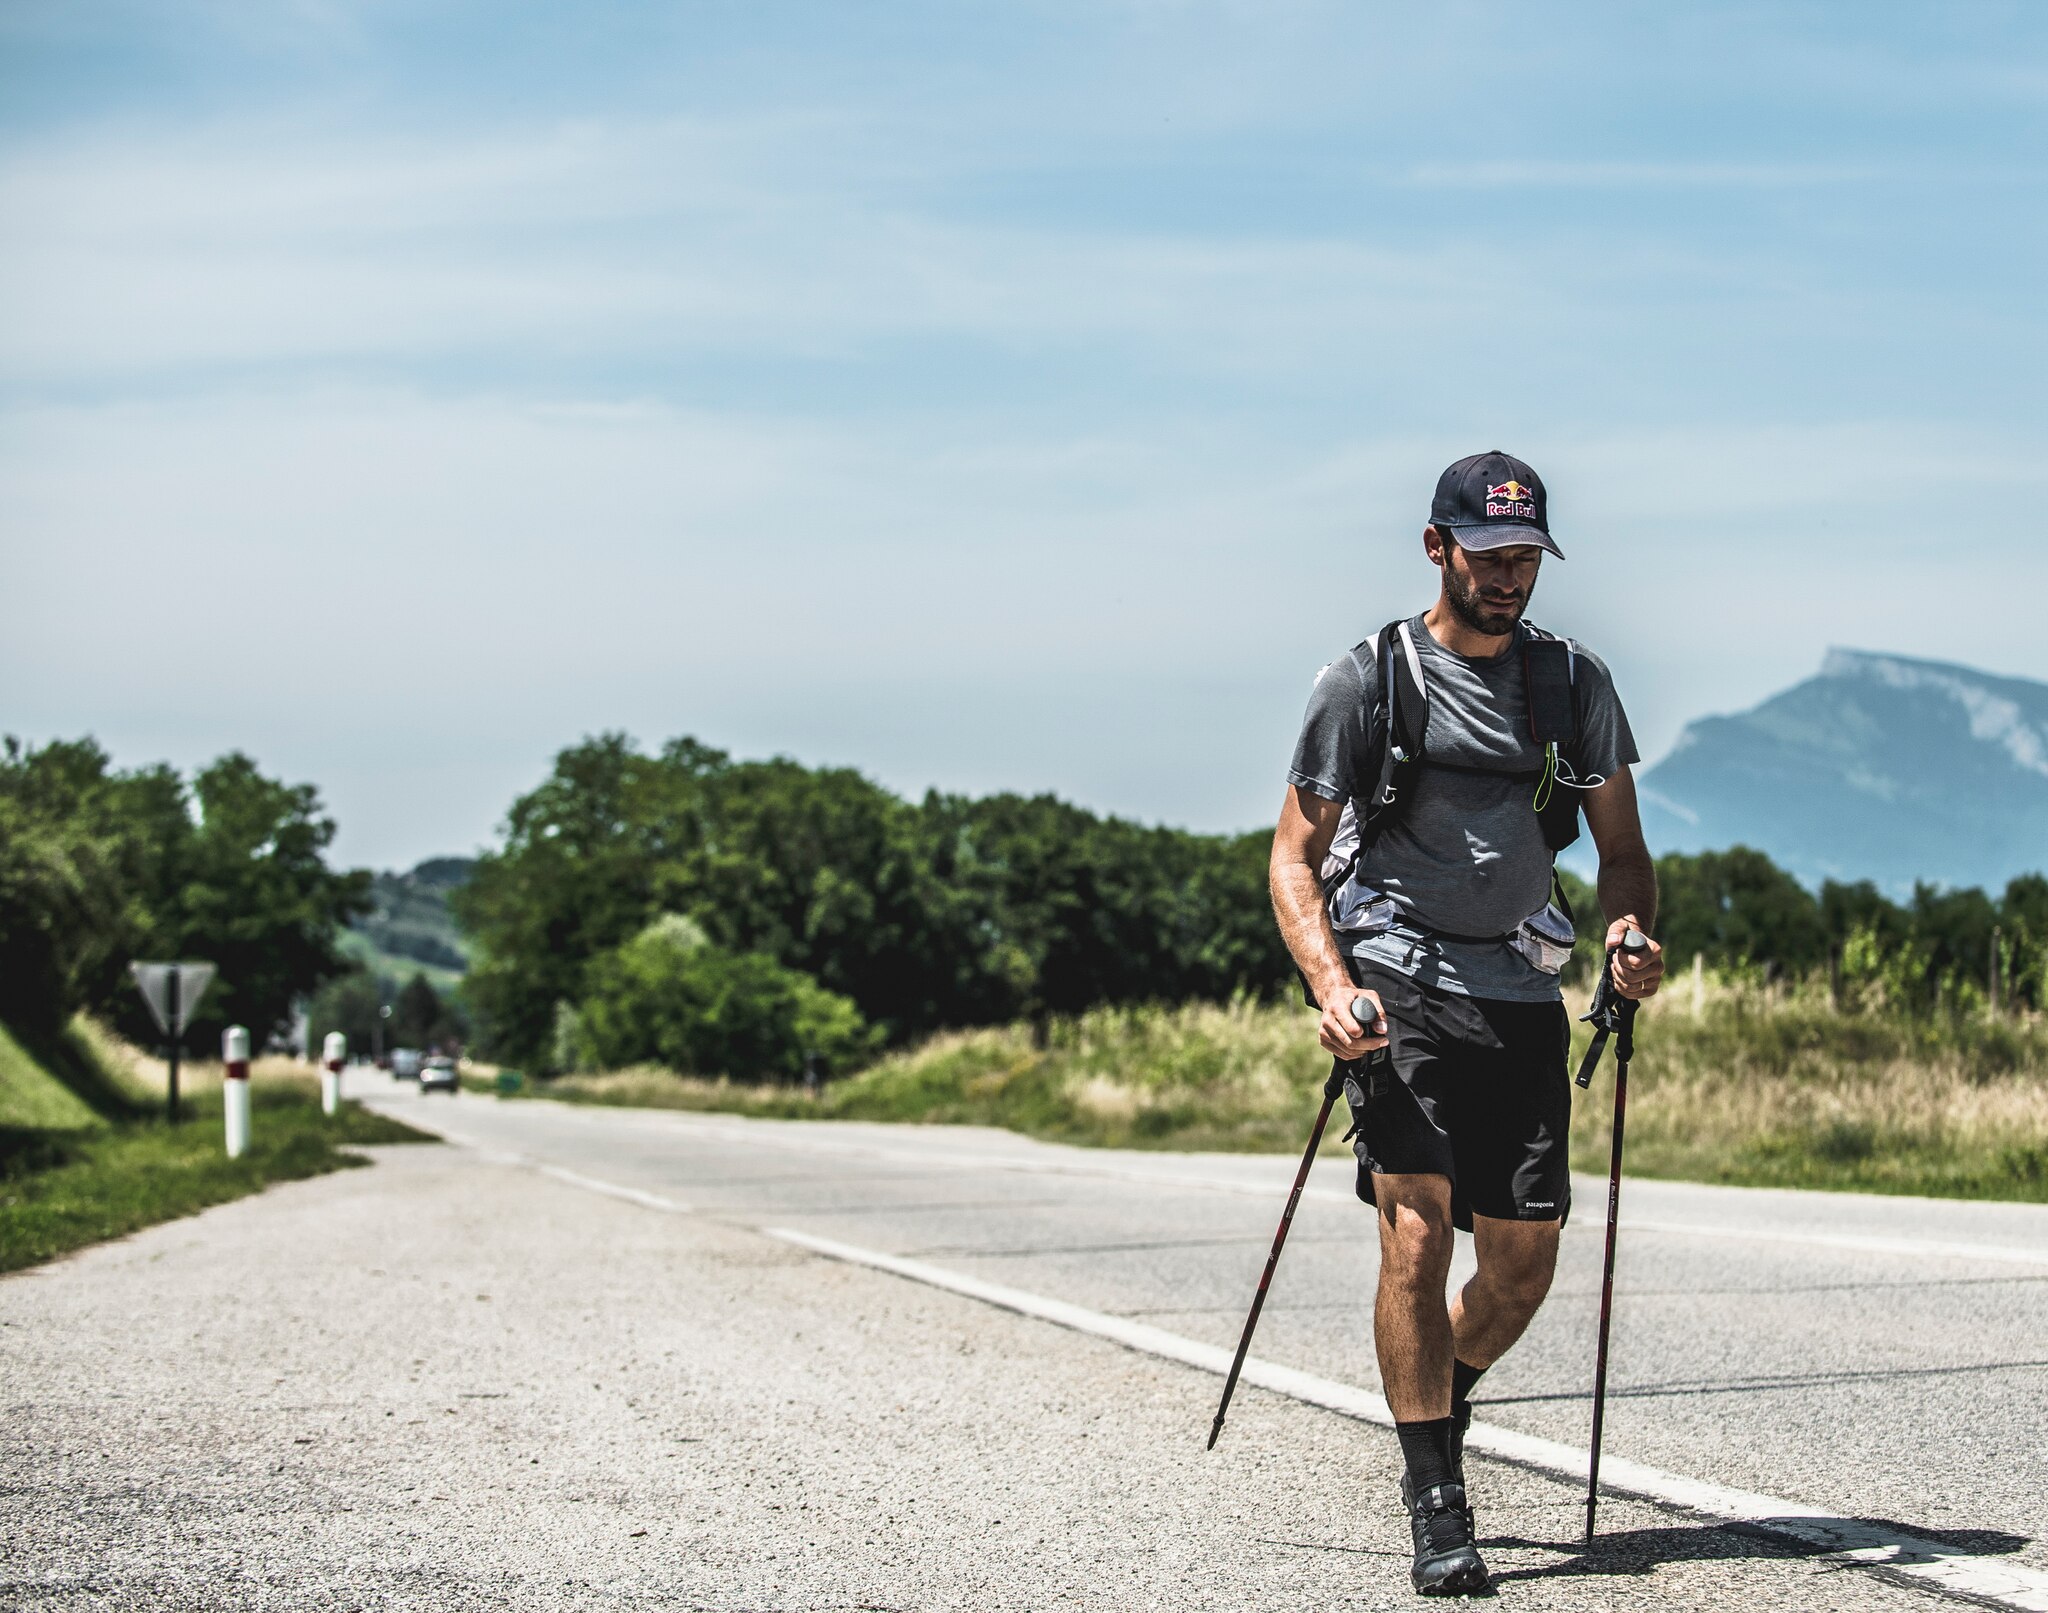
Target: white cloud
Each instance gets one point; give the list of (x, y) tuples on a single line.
[(257, 246), (1657, 175)]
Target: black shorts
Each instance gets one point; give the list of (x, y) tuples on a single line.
[(1476, 1090)]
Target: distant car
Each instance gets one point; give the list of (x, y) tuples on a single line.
[(438, 1075), (405, 1063)]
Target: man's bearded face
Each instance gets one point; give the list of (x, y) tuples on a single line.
[(1489, 589)]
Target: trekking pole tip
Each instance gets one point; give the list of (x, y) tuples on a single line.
[(1215, 1428)]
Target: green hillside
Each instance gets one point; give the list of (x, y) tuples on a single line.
[(393, 968), (32, 1099), (410, 929)]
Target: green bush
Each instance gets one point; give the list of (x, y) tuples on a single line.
[(669, 997)]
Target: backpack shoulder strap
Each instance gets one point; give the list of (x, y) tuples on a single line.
[(1550, 687), (1550, 666), (1402, 688), (1404, 703)]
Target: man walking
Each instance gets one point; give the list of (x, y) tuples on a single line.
[(1442, 764)]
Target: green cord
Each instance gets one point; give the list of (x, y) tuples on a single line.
[(1548, 782)]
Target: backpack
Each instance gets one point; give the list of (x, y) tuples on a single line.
[(1400, 720)]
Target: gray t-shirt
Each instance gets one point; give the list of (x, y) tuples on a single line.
[(1468, 856)]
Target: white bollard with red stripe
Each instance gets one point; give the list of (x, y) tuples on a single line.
[(234, 1088), (333, 1054)]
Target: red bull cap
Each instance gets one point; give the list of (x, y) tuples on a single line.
[(1491, 501)]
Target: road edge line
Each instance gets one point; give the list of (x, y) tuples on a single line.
[(632, 1195), (1894, 1554)]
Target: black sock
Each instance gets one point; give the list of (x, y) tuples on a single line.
[(1463, 1379), (1427, 1448)]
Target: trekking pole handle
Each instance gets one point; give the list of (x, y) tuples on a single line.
[(1636, 945), (1611, 1012), (1368, 1016)]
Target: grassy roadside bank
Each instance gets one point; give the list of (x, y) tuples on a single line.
[(1757, 1089), (73, 1173)]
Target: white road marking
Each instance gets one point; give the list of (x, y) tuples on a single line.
[(504, 1156), (1922, 1562), (632, 1195)]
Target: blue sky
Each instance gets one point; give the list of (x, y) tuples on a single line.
[(1022, 397)]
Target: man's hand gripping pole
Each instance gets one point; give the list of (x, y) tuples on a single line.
[(1363, 1011)]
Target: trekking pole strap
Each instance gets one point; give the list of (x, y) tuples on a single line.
[(1611, 1014), (1592, 1059)]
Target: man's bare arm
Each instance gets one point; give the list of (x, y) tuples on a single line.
[(1308, 823), (1628, 878)]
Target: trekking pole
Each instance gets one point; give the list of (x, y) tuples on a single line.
[(1610, 1015), (1363, 1011)]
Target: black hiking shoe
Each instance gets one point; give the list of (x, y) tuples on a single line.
[(1447, 1562)]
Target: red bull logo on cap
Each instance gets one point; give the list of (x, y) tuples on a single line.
[(1514, 500)]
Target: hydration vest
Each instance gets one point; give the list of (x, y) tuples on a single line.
[(1400, 723)]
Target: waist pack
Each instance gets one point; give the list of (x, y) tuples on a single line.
[(1545, 939)]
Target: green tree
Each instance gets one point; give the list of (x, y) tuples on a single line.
[(2023, 916), (1846, 910), (948, 912), (66, 911), (1737, 906), (348, 1003), (421, 1017), (251, 890), (670, 997), (98, 867), (575, 877), (1954, 926)]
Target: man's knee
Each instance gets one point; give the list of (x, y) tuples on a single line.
[(1516, 1259), (1416, 1235)]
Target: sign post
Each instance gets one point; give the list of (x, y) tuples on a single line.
[(333, 1054), (234, 1087), (172, 991)]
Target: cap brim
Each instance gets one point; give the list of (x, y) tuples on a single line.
[(1505, 535)]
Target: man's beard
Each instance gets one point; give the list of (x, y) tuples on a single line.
[(1491, 619)]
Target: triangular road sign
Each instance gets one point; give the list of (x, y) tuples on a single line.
[(154, 982)]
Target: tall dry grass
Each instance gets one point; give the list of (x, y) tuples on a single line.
[(145, 1076), (1779, 1087), (1759, 1086)]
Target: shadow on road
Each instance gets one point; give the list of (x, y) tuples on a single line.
[(1763, 1385), (1643, 1551)]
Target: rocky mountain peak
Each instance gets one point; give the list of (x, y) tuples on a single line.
[(1882, 767)]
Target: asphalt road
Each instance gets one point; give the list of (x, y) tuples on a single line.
[(369, 1390)]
